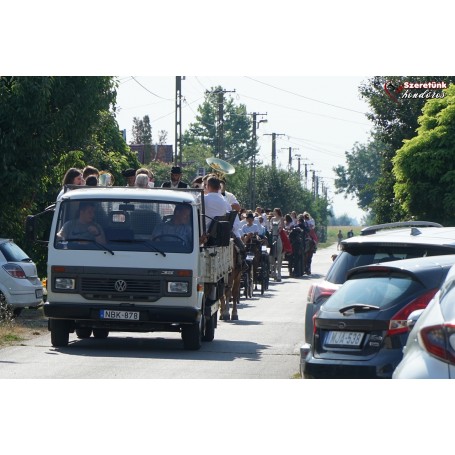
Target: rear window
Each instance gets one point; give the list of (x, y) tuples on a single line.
[(373, 254), (380, 291), (13, 253)]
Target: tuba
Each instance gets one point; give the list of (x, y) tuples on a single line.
[(106, 179), (220, 167)]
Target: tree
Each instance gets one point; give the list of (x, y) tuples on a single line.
[(142, 134), (237, 128), (48, 124), (394, 121), (424, 166), (359, 178)]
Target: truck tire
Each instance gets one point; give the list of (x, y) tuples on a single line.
[(100, 334), (192, 336), (83, 332), (60, 332), (210, 325)]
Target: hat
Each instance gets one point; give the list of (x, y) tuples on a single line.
[(250, 215), (176, 170), (129, 173)]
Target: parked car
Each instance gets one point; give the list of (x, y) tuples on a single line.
[(20, 286), (430, 350), (360, 331), (379, 243)]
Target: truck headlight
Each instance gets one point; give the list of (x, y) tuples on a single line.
[(65, 283), (177, 287)]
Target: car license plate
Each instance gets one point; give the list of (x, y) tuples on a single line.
[(39, 293), (116, 314), (344, 338)]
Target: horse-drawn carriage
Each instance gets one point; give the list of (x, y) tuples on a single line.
[(258, 265)]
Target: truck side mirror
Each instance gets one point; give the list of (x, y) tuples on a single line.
[(30, 228)]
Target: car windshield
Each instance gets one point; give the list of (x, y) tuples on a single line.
[(373, 254), (13, 253), (125, 225), (381, 291)]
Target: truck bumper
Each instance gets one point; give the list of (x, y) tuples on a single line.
[(151, 318)]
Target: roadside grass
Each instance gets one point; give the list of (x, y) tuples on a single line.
[(29, 324), (332, 232)]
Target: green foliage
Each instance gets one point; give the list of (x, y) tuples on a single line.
[(48, 124), (424, 166), (358, 179), (393, 123)]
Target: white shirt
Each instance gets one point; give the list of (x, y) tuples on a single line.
[(215, 205)]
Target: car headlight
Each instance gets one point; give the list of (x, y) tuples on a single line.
[(177, 287), (65, 283)]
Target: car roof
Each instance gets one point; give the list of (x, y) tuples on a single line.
[(415, 266), (405, 236)]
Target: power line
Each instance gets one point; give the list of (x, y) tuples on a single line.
[(154, 94), (306, 97)]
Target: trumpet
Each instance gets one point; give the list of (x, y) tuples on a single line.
[(106, 179)]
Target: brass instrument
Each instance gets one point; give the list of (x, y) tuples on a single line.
[(220, 167), (106, 179)]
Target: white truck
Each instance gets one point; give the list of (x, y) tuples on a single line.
[(130, 260)]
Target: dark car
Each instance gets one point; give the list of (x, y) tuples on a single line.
[(360, 331), (379, 243)]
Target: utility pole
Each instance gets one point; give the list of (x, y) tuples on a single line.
[(274, 135), (306, 173), (178, 120), (220, 123), (298, 156), (290, 156), (252, 186)]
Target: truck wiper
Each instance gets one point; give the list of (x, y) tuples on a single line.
[(100, 245), (153, 247), (358, 307)]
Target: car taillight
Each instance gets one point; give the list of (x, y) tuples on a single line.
[(318, 292), (439, 341), (398, 322), (14, 270), (314, 322)]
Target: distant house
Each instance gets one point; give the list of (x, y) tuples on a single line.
[(158, 152)]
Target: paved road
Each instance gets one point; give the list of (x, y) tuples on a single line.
[(264, 343)]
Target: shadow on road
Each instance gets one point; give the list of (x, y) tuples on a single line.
[(163, 348)]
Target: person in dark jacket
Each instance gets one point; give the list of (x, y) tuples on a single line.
[(176, 179)]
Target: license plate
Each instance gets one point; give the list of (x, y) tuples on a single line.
[(39, 293), (124, 315), (344, 338)]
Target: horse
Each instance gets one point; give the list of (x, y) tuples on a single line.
[(276, 252), (309, 250), (232, 288)]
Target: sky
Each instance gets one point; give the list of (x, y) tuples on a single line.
[(320, 118)]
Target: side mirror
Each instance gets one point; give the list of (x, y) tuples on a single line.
[(413, 318), (30, 228)]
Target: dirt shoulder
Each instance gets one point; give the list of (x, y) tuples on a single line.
[(30, 324)]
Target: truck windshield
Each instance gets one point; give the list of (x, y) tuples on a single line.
[(125, 225)]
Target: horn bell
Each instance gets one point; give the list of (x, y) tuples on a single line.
[(220, 166)]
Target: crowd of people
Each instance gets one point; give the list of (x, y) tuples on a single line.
[(291, 236)]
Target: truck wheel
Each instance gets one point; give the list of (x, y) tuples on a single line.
[(100, 334), (192, 336), (83, 332), (60, 332), (209, 332)]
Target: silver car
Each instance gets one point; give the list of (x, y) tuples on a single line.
[(430, 350), (20, 286)]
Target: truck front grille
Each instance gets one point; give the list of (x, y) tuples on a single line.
[(102, 288)]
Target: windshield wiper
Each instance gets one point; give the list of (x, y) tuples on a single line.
[(358, 307), (100, 245), (153, 247)]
